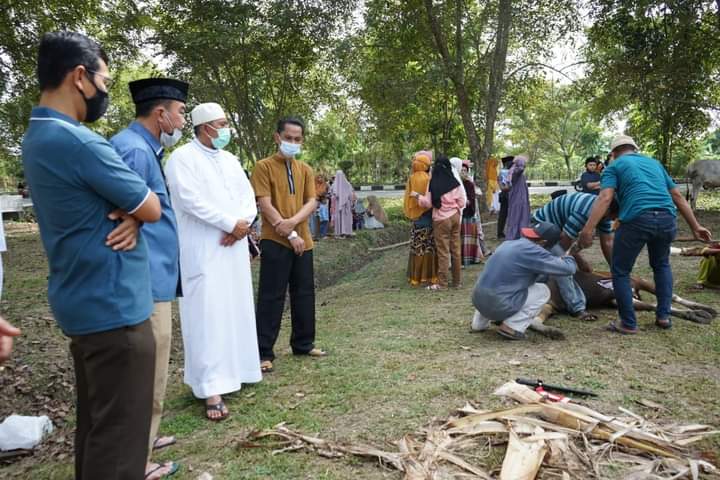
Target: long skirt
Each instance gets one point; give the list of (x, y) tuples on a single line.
[(423, 263), (709, 274), (472, 241)]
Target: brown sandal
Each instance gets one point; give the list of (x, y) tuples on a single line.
[(266, 366), (218, 407)]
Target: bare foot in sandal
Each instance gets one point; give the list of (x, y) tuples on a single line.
[(156, 471), (215, 409), (266, 366)]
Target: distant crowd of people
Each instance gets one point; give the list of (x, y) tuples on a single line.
[(446, 231), (341, 212)]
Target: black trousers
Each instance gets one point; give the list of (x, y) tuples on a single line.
[(114, 375), (502, 215), (281, 269)]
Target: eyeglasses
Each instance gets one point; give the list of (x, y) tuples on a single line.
[(109, 82)]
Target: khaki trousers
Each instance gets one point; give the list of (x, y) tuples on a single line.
[(161, 323), (447, 246)]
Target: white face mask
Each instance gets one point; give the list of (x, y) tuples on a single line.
[(290, 149), (168, 140)]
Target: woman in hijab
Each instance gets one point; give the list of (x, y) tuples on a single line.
[(518, 199), (422, 264), (493, 189), (342, 196), (472, 238), (447, 197), (375, 217)]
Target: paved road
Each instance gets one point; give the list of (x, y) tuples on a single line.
[(533, 191)]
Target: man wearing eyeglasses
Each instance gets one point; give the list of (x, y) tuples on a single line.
[(87, 202), (159, 119)]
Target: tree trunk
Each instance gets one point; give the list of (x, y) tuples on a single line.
[(567, 165), (495, 86), (455, 71)]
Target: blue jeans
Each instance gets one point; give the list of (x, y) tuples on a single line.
[(571, 293), (656, 229), (323, 228)]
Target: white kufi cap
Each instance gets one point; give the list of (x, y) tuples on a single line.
[(206, 112)]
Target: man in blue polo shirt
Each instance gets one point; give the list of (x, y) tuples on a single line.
[(159, 119), (649, 200), (99, 283)]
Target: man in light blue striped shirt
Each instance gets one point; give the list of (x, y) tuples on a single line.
[(570, 213)]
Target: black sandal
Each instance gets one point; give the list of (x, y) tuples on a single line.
[(218, 407)]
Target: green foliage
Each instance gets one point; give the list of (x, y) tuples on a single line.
[(555, 127), (659, 62), (117, 24), (259, 60), (375, 90)]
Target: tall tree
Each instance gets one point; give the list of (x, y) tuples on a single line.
[(114, 23), (659, 63), (521, 33), (260, 60)]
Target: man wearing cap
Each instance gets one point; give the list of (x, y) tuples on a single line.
[(285, 190), (159, 119), (649, 200), (508, 292), (215, 206)]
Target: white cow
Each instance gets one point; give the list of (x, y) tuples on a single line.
[(703, 174)]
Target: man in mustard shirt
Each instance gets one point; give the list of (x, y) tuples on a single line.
[(285, 190)]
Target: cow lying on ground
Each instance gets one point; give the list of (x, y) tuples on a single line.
[(703, 174), (597, 287)]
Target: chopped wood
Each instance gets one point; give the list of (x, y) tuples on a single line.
[(541, 439), (522, 458)]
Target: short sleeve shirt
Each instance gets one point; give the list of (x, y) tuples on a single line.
[(570, 213), (142, 152), (290, 185), (77, 179), (641, 183), (589, 177)]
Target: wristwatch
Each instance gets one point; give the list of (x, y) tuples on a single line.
[(293, 235)]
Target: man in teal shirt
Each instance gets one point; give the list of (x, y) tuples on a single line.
[(99, 289), (649, 201)]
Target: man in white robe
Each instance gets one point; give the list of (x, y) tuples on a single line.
[(215, 206)]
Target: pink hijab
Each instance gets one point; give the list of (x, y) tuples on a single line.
[(342, 190)]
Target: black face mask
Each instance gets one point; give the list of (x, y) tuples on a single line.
[(97, 105)]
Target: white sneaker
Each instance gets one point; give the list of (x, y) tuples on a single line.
[(479, 323)]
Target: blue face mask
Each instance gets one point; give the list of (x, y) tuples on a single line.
[(289, 149), (222, 139)]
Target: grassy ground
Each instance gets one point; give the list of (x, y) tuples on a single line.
[(399, 356)]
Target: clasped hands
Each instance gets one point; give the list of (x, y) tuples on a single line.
[(284, 228), (241, 230)]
